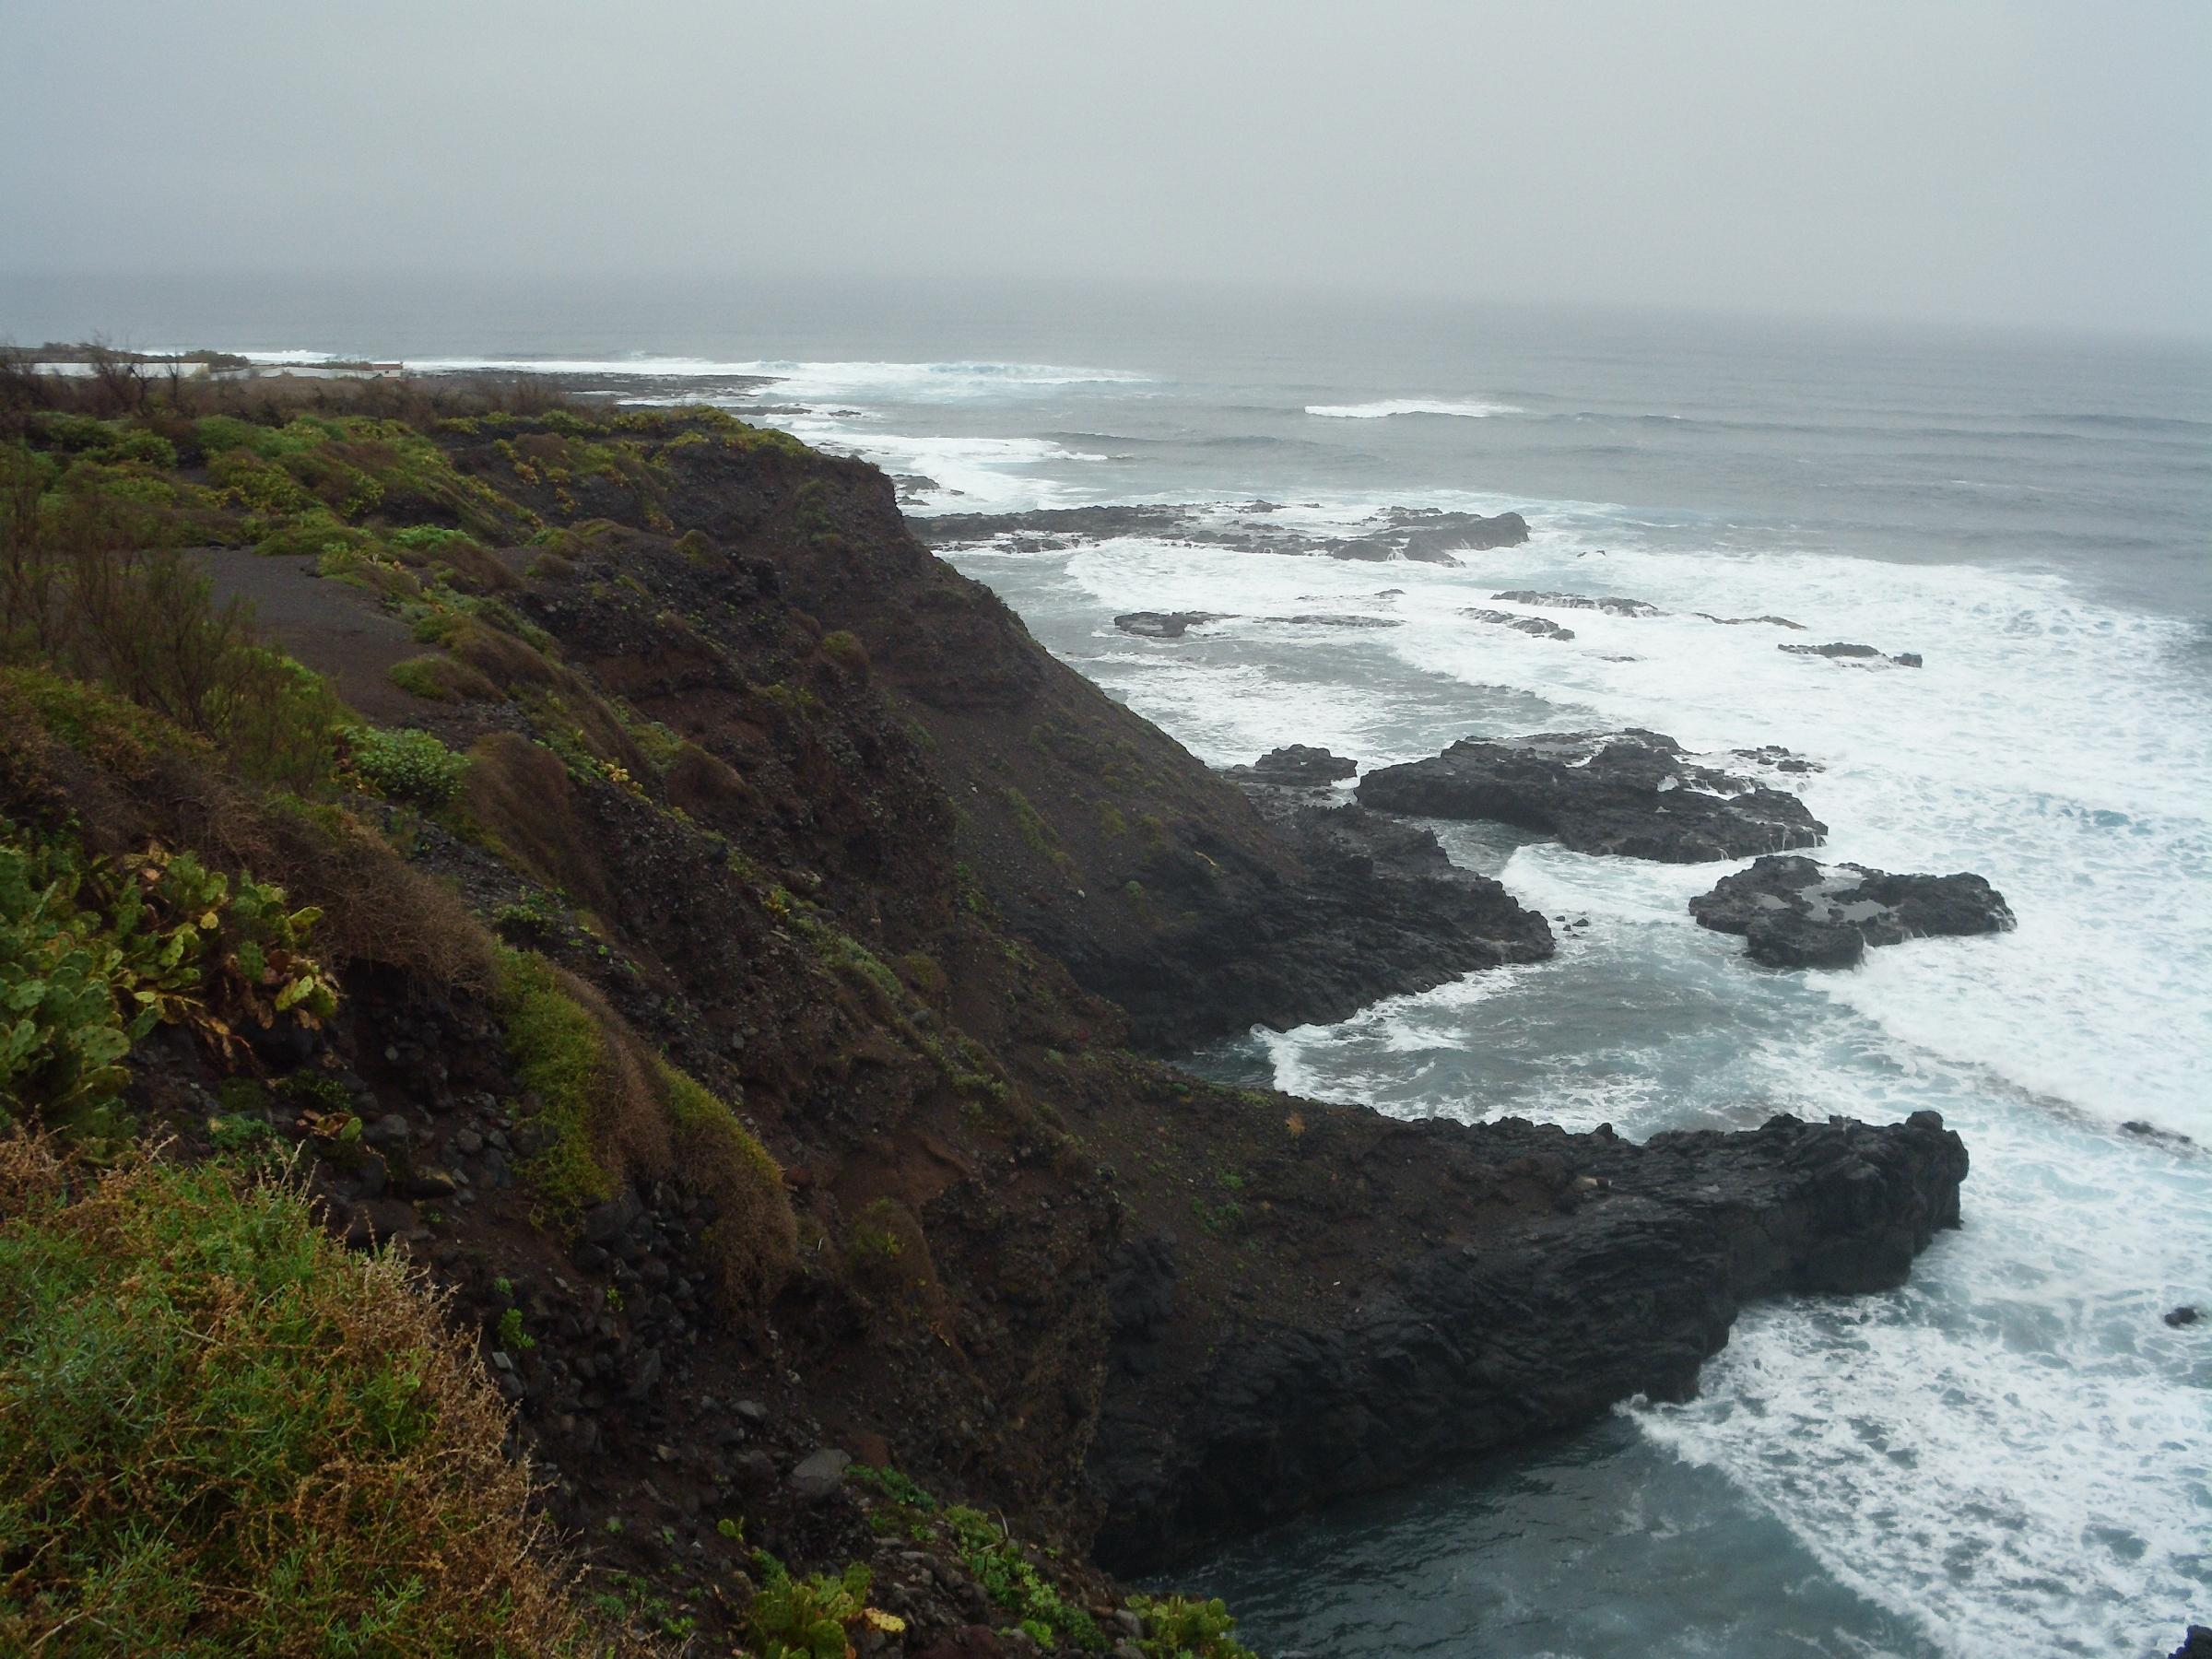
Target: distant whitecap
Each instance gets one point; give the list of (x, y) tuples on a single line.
[(1410, 405)]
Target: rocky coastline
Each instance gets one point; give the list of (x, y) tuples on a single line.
[(790, 817), (1793, 913), (1634, 794), (1619, 1279)]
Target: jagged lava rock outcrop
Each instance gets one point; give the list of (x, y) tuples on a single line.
[(1598, 602), (1793, 913), (1297, 766), (1543, 628), (1634, 794), (1625, 1289), (1163, 625), (1844, 651), (1381, 903)]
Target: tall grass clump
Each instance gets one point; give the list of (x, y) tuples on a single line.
[(561, 1055), (754, 1237), (220, 1435)]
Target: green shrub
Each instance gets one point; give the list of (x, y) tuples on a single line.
[(1012, 1580), (69, 1008), (807, 1618), (440, 679), (93, 953), (845, 650), (898, 1488), (1182, 1628), (148, 448), (222, 1437), (220, 434), (426, 538), (315, 532), (1035, 831), (407, 765), (75, 433)]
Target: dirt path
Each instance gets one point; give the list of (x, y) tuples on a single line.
[(336, 629)]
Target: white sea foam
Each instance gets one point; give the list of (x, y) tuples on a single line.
[(971, 474), (1411, 405), (2012, 1451)]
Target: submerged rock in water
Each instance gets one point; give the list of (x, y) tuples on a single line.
[(1164, 625), (1541, 626), (1598, 602), (1793, 913), (1632, 794), (1741, 621), (1841, 649)]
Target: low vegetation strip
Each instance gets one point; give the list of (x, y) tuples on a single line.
[(221, 1436)]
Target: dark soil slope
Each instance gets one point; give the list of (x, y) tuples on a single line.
[(801, 811)]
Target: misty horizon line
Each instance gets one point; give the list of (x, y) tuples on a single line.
[(975, 285)]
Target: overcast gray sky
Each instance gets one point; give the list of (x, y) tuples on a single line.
[(2009, 162)]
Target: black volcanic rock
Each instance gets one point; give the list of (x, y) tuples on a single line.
[(1297, 766), (1793, 913), (1743, 621), (1841, 650), (1433, 538), (1380, 911), (1163, 625), (1626, 1288), (1632, 794), (1541, 626), (945, 529), (1596, 602)]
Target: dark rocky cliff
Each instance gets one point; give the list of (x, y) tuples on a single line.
[(812, 815), (1539, 1323)]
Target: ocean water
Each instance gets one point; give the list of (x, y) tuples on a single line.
[(2010, 1454)]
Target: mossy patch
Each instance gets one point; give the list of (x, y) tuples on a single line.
[(560, 1055)]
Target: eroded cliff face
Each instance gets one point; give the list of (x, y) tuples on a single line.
[(819, 821), (1103, 840)]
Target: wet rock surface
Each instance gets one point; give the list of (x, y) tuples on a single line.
[(1297, 766), (1626, 1287), (1598, 602), (1433, 538), (1844, 651), (1744, 621), (1541, 626), (1795, 912), (1632, 794), (1378, 911), (1164, 625), (1421, 535)]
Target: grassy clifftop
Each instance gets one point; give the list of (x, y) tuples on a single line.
[(453, 801)]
